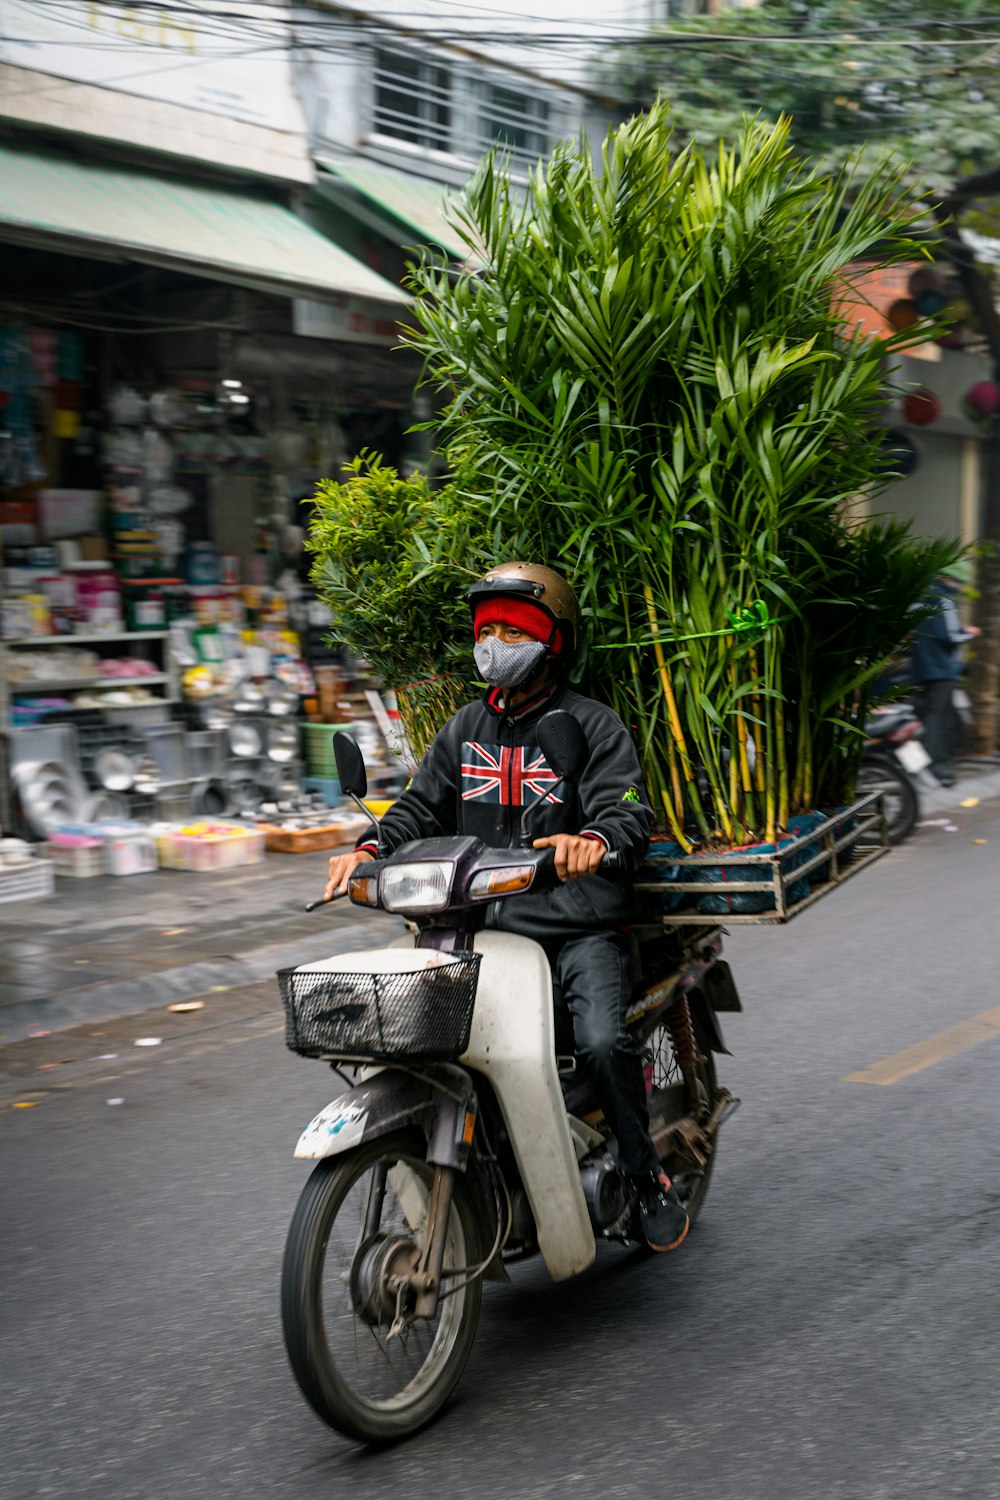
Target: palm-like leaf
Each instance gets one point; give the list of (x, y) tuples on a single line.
[(650, 383)]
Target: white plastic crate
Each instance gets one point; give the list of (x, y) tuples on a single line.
[(78, 862), (131, 853), (27, 882)]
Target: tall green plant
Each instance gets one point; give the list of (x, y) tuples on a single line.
[(392, 556), (651, 385)]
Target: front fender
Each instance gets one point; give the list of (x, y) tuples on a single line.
[(391, 1100)]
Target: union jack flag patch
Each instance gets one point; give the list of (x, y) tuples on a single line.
[(506, 775)]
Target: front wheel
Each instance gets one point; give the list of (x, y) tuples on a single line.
[(902, 804), (360, 1216)]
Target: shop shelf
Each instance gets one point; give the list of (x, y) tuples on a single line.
[(37, 688), (85, 640)]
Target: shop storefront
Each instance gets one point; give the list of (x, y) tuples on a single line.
[(161, 422)]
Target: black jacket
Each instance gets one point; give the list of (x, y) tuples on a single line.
[(482, 769), (935, 653)]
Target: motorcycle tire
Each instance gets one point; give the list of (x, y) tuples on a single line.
[(320, 1298), (902, 801), (692, 1185)]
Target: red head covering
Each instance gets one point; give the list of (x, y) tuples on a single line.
[(524, 615)]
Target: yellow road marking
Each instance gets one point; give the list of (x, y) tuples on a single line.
[(924, 1054)]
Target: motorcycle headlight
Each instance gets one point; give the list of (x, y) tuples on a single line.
[(502, 882), (422, 886)]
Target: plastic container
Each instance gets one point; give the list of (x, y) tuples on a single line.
[(77, 856), (130, 852), (318, 740), (328, 788), (209, 846), (28, 882)]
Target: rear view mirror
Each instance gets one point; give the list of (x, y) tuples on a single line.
[(350, 765), (563, 743)]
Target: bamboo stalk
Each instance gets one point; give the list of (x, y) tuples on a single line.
[(678, 832), (676, 727), (781, 747), (759, 759), (770, 818), (746, 780)]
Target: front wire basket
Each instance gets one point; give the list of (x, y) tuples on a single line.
[(423, 1015)]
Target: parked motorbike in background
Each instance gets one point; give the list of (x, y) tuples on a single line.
[(891, 761)]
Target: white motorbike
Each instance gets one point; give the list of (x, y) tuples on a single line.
[(462, 1141)]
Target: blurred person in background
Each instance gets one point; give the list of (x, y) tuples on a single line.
[(937, 668)]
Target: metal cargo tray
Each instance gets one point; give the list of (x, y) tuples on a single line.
[(848, 842)]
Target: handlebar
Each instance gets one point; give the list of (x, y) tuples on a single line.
[(609, 868), (325, 901)]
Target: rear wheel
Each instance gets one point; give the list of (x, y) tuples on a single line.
[(669, 1101), (902, 804), (358, 1224)]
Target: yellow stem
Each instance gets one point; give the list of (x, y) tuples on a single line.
[(758, 735), (675, 827), (668, 692)]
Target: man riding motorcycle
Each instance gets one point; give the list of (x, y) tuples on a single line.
[(483, 768)]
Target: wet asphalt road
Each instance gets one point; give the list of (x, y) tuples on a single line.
[(829, 1329)]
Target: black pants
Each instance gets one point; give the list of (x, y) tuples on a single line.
[(942, 727), (591, 979)]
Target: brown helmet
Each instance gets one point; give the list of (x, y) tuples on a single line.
[(537, 585)]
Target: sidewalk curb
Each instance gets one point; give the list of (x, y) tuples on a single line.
[(944, 798), (114, 998)]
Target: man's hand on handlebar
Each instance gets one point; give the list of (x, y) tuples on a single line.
[(341, 867), (575, 855)]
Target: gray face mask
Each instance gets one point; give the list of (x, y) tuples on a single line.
[(506, 664)]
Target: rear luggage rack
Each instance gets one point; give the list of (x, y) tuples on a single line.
[(784, 883)]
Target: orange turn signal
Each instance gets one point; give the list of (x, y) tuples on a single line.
[(363, 890), (502, 882)]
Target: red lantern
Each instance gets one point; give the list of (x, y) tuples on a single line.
[(903, 314), (921, 407), (982, 401)]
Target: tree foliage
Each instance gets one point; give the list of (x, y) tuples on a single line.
[(651, 386), (916, 79), (392, 558)]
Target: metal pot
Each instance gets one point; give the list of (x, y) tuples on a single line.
[(243, 791), (245, 740), (108, 807), (282, 742), (249, 699), (210, 799), (147, 777), (278, 782), (114, 770), (282, 700)]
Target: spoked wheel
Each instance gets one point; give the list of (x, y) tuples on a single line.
[(356, 1232), (690, 1180)]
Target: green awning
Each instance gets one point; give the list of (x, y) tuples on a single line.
[(410, 207), (93, 209)]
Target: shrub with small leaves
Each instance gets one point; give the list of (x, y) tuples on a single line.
[(393, 558)]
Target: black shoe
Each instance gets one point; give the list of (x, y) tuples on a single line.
[(663, 1218), (944, 775)]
